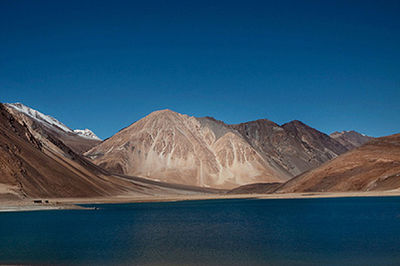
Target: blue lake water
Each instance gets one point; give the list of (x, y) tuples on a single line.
[(334, 231)]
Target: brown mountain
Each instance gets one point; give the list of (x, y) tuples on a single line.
[(294, 146), (373, 166), (43, 125), (176, 148), (350, 139), (34, 162), (40, 157), (31, 168)]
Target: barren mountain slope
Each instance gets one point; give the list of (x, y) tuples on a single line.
[(373, 166), (30, 169), (45, 167), (78, 140), (206, 152), (256, 188), (350, 139), (177, 148), (294, 146)]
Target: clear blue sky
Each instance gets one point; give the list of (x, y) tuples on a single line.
[(334, 65)]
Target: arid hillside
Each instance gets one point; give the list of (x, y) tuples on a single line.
[(293, 146), (176, 148), (44, 125), (375, 166), (350, 139), (205, 152), (34, 164)]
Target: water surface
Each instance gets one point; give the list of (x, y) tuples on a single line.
[(214, 232)]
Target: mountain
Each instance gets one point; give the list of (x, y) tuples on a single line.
[(86, 133), (293, 146), (38, 116), (35, 163), (43, 125), (373, 166), (350, 139), (176, 148), (205, 152), (45, 167), (42, 157)]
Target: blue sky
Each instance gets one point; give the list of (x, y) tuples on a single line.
[(334, 65)]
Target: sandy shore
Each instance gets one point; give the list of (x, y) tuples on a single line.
[(28, 205), (71, 203), (161, 198)]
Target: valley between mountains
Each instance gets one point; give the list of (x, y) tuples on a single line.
[(167, 155)]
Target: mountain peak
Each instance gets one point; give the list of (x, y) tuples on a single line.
[(163, 111), (346, 132), (177, 148), (50, 121), (46, 119), (259, 121), (162, 114), (350, 139), (295, 123), (86, 133)]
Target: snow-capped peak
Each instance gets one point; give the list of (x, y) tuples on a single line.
[(51, 121), (86, 133), (39, 116)]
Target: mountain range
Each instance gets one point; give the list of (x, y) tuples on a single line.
[(350, 139), (205, 152), (78, 140), (41, 157), (374, 166), (35, 163), (164, 151)]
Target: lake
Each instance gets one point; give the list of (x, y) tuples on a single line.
[(333, 231)]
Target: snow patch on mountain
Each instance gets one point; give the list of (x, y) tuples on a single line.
[(39, 116), (86, 133), (51, 121)]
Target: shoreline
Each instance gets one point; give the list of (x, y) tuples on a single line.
[(74, 203), (28, 205)]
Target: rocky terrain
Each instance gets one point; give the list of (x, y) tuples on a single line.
[(35, 163), (350, 139), (372, 167), (176, 148), (44, 125), (205, 152), (29, 168), (375, 166), (256, 188), (167, 153), (294, 146)]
